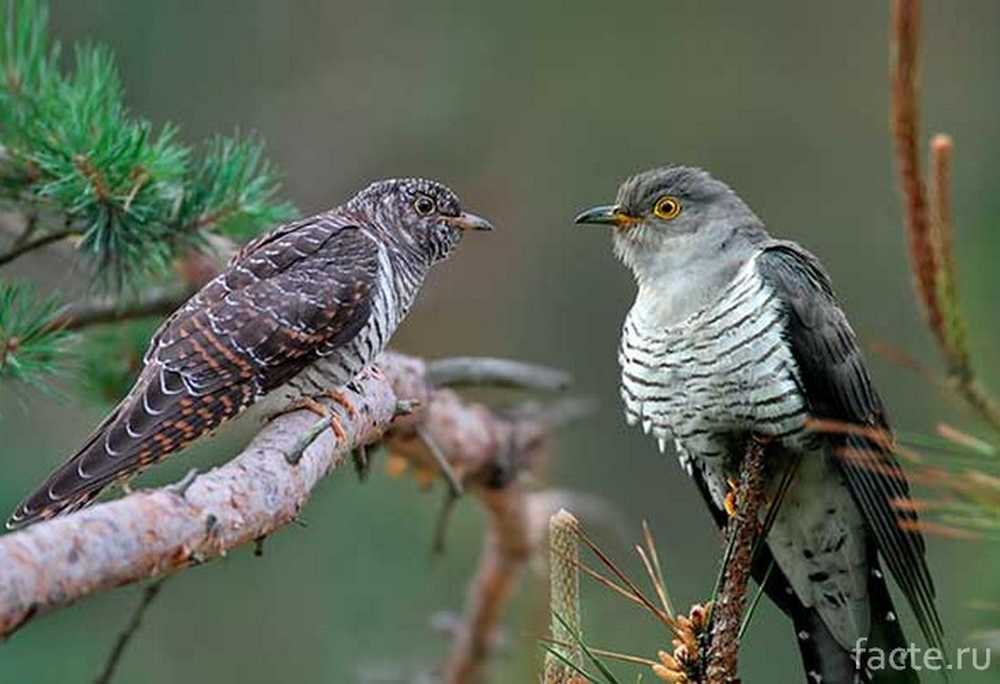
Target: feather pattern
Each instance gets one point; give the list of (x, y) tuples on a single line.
[(837, 383), (761, 358), (299, 311), (285, 300)]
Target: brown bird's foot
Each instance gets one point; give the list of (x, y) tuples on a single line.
[(338, 397), (328, 419), (308, 403), (311, 404)]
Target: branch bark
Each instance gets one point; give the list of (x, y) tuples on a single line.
[(488, 460), (37, 243), (157, 532)]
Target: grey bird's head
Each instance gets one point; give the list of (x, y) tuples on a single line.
[(676, 221), (423, 214)]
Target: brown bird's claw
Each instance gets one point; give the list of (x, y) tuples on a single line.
[(340, 398), (328, 419)]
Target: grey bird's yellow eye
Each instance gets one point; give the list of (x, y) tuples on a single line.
[(667, 208), (423, 205)]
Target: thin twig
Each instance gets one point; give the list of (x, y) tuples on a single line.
[(148, 596), (37, 243), (470, 372), (254, 495), (506, 549), (106, 310), (31, 224)]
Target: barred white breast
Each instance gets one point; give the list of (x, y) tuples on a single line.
[(724, 371)]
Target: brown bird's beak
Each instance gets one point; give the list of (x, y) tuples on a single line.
[(609, 215), (467, 221)]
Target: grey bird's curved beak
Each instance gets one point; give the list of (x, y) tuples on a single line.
[(609, 215), (467, 221)]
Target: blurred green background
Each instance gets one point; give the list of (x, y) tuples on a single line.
[(530, 111)]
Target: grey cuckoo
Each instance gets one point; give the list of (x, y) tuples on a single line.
[(732, 334), (300, 311)]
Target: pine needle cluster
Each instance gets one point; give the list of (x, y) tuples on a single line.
[(83, 170)]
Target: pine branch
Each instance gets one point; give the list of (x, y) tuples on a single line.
[(79, 165), (20, 250), (29, 348), (157, 302), (252, 496), (138, 197)]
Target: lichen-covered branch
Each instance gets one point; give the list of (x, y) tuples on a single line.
[(156, 532)]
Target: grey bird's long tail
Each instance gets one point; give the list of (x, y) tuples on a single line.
[(824, 660)]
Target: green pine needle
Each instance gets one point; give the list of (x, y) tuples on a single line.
[(595, 661), (137, 197), (29, 348), (111, 358), (233, 189), (570, 664)]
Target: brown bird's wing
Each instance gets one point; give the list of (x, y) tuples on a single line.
[(838, 387), (286, 299)]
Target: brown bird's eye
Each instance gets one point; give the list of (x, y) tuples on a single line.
[(423, 205), (667, 208)]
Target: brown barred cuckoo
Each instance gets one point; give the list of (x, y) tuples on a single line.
[(300, 311), (733, 335)]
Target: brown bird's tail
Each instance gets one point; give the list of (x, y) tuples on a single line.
[(162, 414)]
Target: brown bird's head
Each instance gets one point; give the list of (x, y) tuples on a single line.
[(421, 213)]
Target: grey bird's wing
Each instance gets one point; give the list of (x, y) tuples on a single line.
[(289, 297), (838, 387)]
